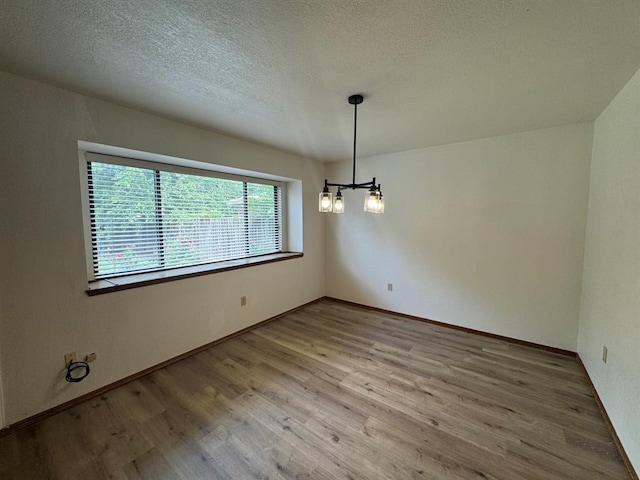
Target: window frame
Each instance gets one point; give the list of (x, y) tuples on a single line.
[(165, 274)]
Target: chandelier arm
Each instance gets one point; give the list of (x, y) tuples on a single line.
[(352, 186)]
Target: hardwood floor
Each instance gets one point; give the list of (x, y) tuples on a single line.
[(334, 392)]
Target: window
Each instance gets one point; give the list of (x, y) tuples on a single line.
[(147, 217)]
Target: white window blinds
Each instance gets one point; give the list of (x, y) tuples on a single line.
[(147, 219)]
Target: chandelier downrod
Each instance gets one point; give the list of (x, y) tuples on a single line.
[(355, 100)]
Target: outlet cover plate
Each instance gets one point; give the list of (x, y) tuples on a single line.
[(70, 357)]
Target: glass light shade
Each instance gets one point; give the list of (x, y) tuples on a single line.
[(380, 204), (372, 201), (338, 203), (325, 201)]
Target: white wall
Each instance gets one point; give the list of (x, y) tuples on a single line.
[(610, 313), (485, 234), (2, 421), (2, 301), (44, 310)]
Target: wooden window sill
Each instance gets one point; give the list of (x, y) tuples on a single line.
[(126, 282)]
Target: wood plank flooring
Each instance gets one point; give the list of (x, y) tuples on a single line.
[(334, 391)]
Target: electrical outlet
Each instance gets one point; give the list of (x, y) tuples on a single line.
[(390, 287), (91, 357), (604, 354), (70, 358), (243, 301)]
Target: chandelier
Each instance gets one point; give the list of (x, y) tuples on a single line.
[(373, 202)]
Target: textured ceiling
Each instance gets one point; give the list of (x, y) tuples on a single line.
[(278, 72)]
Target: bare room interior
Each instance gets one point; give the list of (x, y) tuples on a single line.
[(293, 239)]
